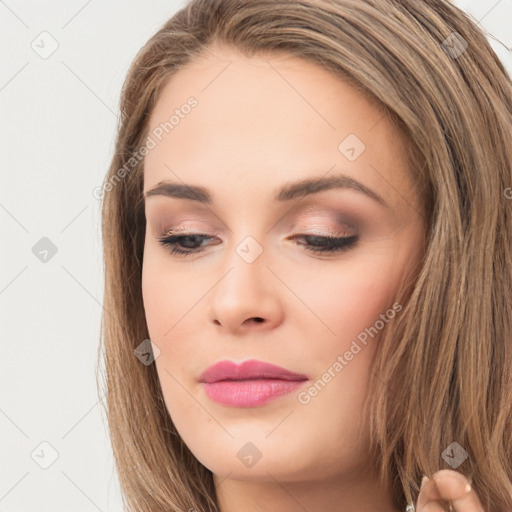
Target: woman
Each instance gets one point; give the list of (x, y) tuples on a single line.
[(307, 227)]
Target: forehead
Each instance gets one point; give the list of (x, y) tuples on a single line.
[(273, 116)]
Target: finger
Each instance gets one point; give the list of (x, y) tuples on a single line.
[(433, 506), (428, 494), (468, 503), (453, 486), (445, 486)]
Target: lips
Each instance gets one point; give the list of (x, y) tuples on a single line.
[(248, 370), (251, 384)]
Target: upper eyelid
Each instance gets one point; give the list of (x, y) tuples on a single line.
[(327, 233), (303, 207), (301, 221)]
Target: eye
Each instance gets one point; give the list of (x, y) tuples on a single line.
[(188, 242), (328, 244), (191, 243)]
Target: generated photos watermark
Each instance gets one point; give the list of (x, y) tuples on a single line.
[(305, 396), (152, 140)]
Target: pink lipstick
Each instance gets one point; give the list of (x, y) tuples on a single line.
[(250, 384)]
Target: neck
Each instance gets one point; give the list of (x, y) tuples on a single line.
[(273, 495)]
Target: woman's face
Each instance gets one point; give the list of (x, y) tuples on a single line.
[(259, 283)]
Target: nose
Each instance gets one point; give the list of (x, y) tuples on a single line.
[(246, 296)]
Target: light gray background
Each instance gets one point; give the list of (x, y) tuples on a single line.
[(58, 125)]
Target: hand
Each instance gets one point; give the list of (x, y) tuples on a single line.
[(447, 487)]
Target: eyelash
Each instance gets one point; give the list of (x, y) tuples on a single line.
[(334, 245)]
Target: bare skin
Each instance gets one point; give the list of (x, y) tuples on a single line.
[(259, 124)]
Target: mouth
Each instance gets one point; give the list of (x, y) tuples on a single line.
[(251, 384)]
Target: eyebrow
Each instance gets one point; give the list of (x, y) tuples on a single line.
[(288, 192)]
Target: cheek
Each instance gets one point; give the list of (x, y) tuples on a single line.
[(166, 292), (349, 296), (156, 299)]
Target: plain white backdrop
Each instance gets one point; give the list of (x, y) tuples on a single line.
[(63, 64)]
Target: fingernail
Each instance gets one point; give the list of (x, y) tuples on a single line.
[(424, 481), (468, 488)]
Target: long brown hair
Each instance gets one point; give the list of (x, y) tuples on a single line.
[(442, 374)]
